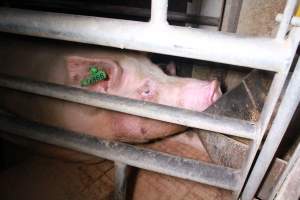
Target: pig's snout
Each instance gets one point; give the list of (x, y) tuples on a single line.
[(199, 95)]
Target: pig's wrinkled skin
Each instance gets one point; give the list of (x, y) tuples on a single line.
[(131, 75)]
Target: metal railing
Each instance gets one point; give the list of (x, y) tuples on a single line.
[(158, 36), (260, 53), (199, 171), (175, 115)]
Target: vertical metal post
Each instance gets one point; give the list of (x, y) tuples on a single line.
[(121, 173), (285, 112), (193, 8), (231, 15), (159, 11), (287, 16), (270, 103), (267, 112)]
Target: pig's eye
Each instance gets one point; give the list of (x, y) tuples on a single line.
[(147, 91)]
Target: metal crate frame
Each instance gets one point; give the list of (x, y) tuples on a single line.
[(158, 36)]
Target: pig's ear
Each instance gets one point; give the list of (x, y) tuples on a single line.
[(78, 69), (171, 69)]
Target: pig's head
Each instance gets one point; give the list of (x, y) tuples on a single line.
[(135, 76)]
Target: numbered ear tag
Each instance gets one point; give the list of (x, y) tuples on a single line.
[(94, 76)]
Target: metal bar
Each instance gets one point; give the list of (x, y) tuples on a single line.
[(260, 53), (291, 164), (265, 117), (268, 110), (295, 20), (231, 15), (79, 6), (276, 88), (159, 10), (120, 179), (184, 117), (287, 16), (285, 112), (222, 15), (290, 188), (193, 8), (189, 169)]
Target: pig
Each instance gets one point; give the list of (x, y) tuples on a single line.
[(130, 75)]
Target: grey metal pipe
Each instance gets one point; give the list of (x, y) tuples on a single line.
[(262, 125), (284, 115), (120, 179), (287, 16), (231, 15), (260, 53), (159, 12), (184, 117), (269, 107), (194, 170), (266, 115)]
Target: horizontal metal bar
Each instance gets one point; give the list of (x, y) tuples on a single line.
[(175, 115), (260, 53), (198, 171)]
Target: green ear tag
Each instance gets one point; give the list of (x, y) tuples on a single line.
[(95, 76), (93, 70)]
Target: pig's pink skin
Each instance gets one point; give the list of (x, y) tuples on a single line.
[(130, 75), (149, 83)]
